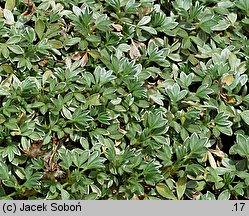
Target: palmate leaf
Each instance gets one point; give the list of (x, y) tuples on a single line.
[(243, 5), (241, 147), (151, 172), (10, 151), (175, 93), (154, 120), (208, 22), (156, 96), (197, 145), (116, 4), (33, 180), (162, 23), (79, 157), (81, 118), (103, 23), (203, 91), (102, 76), (94, 161), (165, 154)]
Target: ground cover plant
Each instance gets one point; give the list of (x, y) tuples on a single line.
[(124, 99)]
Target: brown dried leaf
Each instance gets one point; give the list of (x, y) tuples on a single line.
[(1, 12), (134, 51), (84, 60), (28, 2), (31, 7), (228, 80), (122, 131), (117, 142), (43, 62), (211, 160), (95, 54), (147, 10), (77, 56), (218, 153), (34, 150), (135, 197), (117, 27)]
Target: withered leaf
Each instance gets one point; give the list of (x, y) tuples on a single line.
[(84, 60), (134, 51), (117, 27)]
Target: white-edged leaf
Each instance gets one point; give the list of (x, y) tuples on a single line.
[(224, 195), (8, 15), (14, 39), (149, 29), (245, 116), (66, 113), (16, 49), (145, 20)]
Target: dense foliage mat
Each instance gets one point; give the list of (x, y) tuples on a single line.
[(124, 99)]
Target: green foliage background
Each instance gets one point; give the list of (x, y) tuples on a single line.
[(124, 99)]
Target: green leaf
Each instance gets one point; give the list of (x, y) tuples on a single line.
[(203, 92), (209, 196), (10, 4), (245, 116), (225, 130), (11, 150), (39, 28), (3, 92), (7, 68), (33, 179), (104, 118), (154, 120), (208, 24), (102, 76), (8, 15), (156, 96), (66, 113), (145, 20), (79, 157), (165, 192), (224, 195), (197, 146), (241, 147), (25, 143), (149, 29), (4, 172), (95, 161), (14, 39), (243, 5), (64, 195), (71, 41), (103, 23), (221, 26), (93, 100), (35, 136), (175, 94), (11, 182), (16, 49), (181, 187)]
